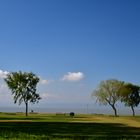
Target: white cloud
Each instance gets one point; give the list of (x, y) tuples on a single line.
[(73, 76), (3, 74), (49, 96), (44, 82)]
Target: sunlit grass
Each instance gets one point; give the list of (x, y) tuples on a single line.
[(15, 126)]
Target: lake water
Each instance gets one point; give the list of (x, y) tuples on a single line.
[(82, 110)]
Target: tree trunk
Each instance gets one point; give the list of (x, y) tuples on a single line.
[(115, 110), (133, 110), (26, 109)]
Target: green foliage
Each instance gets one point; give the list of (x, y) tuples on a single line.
[(23, 87), (108, 92), (130, 95)]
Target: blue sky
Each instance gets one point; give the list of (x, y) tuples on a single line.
[(89, 40)]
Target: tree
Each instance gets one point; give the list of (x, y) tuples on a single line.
[(23, 87), (131, 96), (108, 93)]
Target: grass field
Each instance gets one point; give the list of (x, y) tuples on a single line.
[(15, 126)]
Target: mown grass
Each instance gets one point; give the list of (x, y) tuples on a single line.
[(15, 126)]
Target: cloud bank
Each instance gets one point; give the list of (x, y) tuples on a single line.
[(73, 76)]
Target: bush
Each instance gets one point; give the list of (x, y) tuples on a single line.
[(72, 114)]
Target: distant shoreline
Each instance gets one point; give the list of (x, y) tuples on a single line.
[(102, 110)]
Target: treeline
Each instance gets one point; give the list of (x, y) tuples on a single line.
[(109, 92)]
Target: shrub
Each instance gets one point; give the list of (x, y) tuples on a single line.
[(72, 114)]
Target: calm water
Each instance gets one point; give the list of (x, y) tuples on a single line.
[(82, 110)]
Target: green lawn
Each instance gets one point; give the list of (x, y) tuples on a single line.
[(82, 127)]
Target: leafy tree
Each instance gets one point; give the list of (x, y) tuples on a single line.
[(23, 87), (108, 93), (131, 96)]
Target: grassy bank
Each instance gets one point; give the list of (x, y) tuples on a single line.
[(15, 126)]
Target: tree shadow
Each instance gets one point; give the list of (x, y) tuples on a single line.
[(62, 129)]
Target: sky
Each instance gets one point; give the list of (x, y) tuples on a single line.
[(71, 45)]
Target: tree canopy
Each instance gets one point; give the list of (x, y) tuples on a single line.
[(108, 93), (23, 87), (131, 96)]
